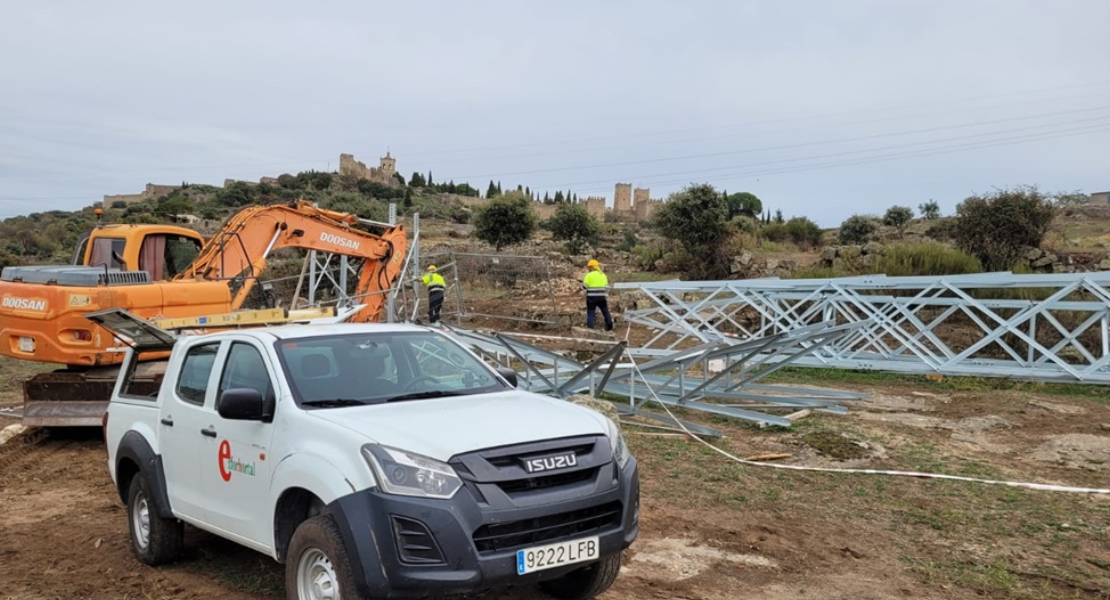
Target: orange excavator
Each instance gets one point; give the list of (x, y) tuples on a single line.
[(165, 272)]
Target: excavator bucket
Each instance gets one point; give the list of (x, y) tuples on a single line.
[(78, 398)]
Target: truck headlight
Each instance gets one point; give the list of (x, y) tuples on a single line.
[(407, 474), (620, 448)]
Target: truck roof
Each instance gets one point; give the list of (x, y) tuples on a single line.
[(311, 330)]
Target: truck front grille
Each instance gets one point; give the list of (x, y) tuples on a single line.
[(550, 481), (548, 528)]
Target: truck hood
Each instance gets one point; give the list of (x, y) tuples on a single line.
[(440, 428)]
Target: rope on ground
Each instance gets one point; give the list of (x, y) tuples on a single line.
[(1020, 484)]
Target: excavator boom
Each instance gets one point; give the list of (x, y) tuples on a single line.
[(43, 308)]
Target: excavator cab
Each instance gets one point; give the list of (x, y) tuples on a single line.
[(164, 251)]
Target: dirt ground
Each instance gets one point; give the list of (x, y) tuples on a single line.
[(711, 529)]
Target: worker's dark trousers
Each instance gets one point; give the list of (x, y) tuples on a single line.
[(435, 302), (595, 302)]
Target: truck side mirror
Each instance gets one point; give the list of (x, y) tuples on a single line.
[(508, 374), (241, 404)]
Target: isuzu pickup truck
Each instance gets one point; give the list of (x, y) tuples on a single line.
[(374, 461)]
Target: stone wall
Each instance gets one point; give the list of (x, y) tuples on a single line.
[(382, 174), (150, 192)]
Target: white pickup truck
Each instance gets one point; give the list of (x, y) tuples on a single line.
[(374, 461)]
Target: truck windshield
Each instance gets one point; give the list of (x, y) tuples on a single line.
[(353, 369)]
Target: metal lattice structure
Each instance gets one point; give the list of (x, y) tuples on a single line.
[(1043, 327), (719, 377)]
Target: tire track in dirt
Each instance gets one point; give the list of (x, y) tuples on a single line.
[(19, 450)]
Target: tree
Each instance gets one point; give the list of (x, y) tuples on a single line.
[(1075, 198), (778, 216), (559, 197), (930, 210), (399, 178), (408, 198), (430, 182), (857, 229), (996, 228), (697, 218), (898, 217), (744, 203), (575, 226), (417, 180), (505, 220)]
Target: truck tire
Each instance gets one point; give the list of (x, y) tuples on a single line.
[(585, 583), (317, 567), (156, 540)]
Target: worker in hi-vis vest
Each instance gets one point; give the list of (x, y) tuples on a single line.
[(596, 285), (436, 290)]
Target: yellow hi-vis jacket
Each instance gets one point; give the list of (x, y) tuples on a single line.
[(434, 282), (595, 283)]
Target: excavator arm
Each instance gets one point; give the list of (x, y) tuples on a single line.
[(238, 253)]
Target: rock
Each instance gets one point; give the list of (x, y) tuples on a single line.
[(1059, 268), (1105, 426), (1044, 261), (1077, 451), (850, 252), (1064, 409), (602, 406), (11, 431), (984, 423), (1033, 253), (745, 257), (829, 254), (872, 248), (772, 264), (1104, 264)]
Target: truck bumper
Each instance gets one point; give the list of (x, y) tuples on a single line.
[(402, 547)]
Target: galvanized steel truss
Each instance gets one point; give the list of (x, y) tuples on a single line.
[(1044, 327), (726, 371)]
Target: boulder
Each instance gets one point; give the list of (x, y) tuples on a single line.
[(850, 252), (872, 248), (1032, 253), (10, 432), (829, 254)]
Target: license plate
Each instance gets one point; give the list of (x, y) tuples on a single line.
[(26, 344), (550, 556)]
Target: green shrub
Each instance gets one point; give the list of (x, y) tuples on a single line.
[(857, 229), (996, 228)]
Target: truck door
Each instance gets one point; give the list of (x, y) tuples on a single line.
[(237, 477), (185, 427)]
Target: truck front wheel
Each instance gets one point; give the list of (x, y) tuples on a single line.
[(587, 582), (317, 567), (156, 540)]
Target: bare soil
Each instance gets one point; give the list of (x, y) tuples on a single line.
[(711, 529)]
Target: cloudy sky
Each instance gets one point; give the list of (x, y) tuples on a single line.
[(821, 109)]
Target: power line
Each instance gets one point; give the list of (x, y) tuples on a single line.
[(773, 121), (783, 146)]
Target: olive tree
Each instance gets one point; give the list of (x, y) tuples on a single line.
[(697, 218), (898, 217), (505, 220), (573, 224)]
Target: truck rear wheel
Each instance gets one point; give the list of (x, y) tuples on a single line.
[(156, 540), (317, 567), (587, 582)]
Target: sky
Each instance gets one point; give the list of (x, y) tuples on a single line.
[(821, 109)]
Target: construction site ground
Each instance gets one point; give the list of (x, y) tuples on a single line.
[(711, 528)]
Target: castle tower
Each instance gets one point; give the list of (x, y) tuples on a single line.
[(389, 165), (639, 196), (622, 198)]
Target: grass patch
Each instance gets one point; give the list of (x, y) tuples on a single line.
[(823, 376), (834, 445)]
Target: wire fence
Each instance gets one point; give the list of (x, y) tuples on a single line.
[(486, 286)]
